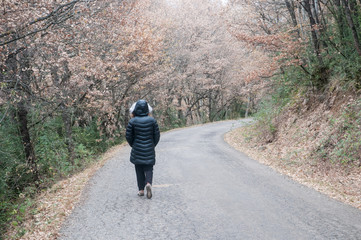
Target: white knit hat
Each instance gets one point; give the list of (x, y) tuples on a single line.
[(131, 109)]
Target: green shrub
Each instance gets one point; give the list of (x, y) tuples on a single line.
[(13, 176), (50, 148)]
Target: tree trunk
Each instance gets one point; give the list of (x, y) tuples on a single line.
[(339, 19), (66, 115), (25, 73), (248, 105), (210, 106), (316, 43), (352, 26), (315, 11), (180, 112), (291, 10), (355, 12), (199, 111), (323, 24), (191, 116), (22, 114), (301, 12)]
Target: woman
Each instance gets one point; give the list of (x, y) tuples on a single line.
[(143, 135)]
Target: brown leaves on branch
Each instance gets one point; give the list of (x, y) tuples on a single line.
[(88, 56), (265, 27)]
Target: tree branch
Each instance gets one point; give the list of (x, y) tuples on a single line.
[(53, 19)]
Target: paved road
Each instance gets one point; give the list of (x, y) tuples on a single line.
[(204, 189)]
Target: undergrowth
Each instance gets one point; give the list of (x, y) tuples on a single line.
[(343, 146), (271, 107)]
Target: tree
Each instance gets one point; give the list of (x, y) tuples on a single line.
[(198, 48), (76, 59)]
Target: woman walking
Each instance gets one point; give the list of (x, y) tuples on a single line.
[(143, 135)]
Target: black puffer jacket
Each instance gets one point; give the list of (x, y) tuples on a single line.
[(142, 135)]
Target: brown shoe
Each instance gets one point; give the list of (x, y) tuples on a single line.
[(141, 193), (149, 190)]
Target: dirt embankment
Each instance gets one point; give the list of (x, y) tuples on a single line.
[(316, 142)]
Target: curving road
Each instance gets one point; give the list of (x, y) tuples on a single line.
[(204, 189)]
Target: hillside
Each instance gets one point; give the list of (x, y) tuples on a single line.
[(314, 141)]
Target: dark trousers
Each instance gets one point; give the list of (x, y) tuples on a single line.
[(144, 175)]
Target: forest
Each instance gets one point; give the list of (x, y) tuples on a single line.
[(70, 70)]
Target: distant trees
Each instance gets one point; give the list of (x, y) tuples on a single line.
[(202, 60)]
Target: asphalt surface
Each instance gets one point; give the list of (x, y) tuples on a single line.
[(204, 189)]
